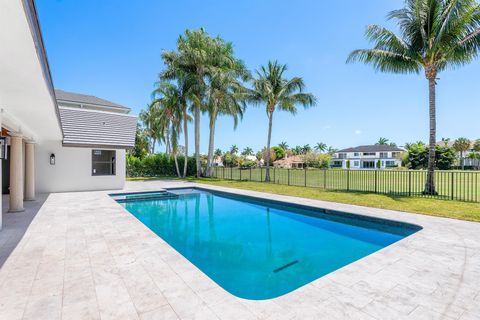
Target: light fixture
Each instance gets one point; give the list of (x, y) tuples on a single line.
[(52, 159), (3, 148)]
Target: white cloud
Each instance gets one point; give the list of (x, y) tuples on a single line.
[(358, 131)]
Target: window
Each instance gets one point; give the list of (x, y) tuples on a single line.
[(356, 154), (356, 163), (342, 155), (390, 164), (369, 153), (395, 154), (103, 162), (383, 154)]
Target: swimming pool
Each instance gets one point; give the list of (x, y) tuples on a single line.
[(260, 249)]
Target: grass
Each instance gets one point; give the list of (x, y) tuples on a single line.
[(432, 207)]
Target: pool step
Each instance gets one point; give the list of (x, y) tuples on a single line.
[(140, 196)]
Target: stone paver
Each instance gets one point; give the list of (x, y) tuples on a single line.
[(82, 256)]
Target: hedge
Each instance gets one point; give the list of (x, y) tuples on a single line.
[(157, 165)]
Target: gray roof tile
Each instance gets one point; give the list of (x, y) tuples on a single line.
[(85, 99), (89, 128)]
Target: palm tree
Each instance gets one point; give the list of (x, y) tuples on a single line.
[(275, 91), (435, 35), (224, 95), (461, 145), (476, 145), (167, 99), (198, 58), (331, 150), (218, 152), (320, 147), (306, 149), (234, 149), (382, 141), (149, 118), (247, 151), (297, 150), (283, 145)]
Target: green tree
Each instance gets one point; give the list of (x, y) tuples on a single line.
[(297, 150), (197, 59), (234, 149), (476, 145), (279, 152), (218, 152), (306, 149), (247, 151), (153, 130), (283, 145), (382, 141), (321, 147), (167, 100), (142, 143), (435, 35), (224, 97), (277, 92), (461, 145)]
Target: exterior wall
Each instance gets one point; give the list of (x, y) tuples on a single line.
[(357, 159), (73, 169)]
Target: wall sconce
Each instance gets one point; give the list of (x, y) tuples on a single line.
[(3, 148), (52, 159)]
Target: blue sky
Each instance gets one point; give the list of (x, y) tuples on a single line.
[(111, 49)]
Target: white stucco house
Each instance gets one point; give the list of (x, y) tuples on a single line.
[(52, 141), (367, 157)]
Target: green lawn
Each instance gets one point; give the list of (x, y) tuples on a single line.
[(434, 207)]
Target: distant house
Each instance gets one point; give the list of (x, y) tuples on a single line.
[(367, 157), (290, 162), (467, 162)]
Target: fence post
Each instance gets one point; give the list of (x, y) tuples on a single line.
[(240, 168), (231, 173), (325, 179), (409, 183), (348, 179), (250, 173), (376, 181), (288, 176), (452, 183), (305, 176), (274, 175), (261, 173)]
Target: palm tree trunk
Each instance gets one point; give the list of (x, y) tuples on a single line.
[(154, 142), (197, 141), (267, 171), (185, 132), (176, 164), (211, 143), (430, 183)]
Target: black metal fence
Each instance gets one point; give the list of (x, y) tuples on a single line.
[(451, 185)]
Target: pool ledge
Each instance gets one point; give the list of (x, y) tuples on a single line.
[(84, 255)]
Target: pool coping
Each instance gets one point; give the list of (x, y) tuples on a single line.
[(84, 253)]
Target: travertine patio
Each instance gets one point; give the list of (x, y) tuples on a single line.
[(84, 257)]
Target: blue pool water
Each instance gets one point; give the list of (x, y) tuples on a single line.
[(261, 250)]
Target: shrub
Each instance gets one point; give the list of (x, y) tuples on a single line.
[(157, 165), (247, 164)]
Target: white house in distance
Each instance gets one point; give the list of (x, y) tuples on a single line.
[(52, 141), (367, 157)]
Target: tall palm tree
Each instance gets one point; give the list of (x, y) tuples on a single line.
[(306, 149), (167, 99), (461, 145), (321, 147), (276, 92), (382, 141), (198, 57), (283, 145), (331, 150), (434, 35), (224, 97), (153, 130), (247, 151), (218, 152), (233, 149)]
